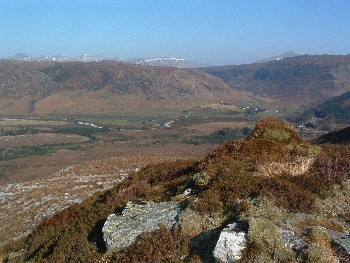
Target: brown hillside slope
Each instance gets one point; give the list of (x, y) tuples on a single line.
[(301, 81), (21, 85), (106, 86)]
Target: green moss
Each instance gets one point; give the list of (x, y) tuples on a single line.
[(275, 129), (264, 207), (277, 135), (192, 223), (265, 244)]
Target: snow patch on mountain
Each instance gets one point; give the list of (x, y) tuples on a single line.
[(288, 54), (167, 62), (156, 61)]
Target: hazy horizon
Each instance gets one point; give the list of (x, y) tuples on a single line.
[(220, 33)]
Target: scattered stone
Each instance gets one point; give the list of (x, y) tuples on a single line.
[(63, 171), (5, 196), (186, 192), (120, 231), (231, 242), (292, 241)]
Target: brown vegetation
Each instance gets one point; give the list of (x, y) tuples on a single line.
[(301, 81), (107, 86), (233, 186)]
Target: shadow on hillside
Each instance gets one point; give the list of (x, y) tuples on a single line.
[(96, 237)]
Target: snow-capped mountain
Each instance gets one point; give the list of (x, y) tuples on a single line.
[(61, 58), (56, 58), (158, 61), (167, 62), (288, 54), (22, 57), (90, 58), (43, 58)]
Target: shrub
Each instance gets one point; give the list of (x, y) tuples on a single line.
[(320, 249), (265, 244), (162, 245)]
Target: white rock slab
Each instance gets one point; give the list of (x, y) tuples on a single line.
[(230, 244)]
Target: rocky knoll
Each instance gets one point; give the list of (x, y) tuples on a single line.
[(120, 231)]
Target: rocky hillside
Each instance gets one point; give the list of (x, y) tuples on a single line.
[(106, 86), (270, 198), (23, 205), (301, 81)]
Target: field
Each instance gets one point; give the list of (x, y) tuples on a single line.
[(57, 140), (40, 139), (27, 122)]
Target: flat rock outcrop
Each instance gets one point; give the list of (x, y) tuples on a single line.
[(120, 231)]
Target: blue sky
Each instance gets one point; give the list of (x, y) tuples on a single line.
[(218, 32)]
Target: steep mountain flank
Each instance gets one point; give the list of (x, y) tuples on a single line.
[(341, 136), (301, 81), (337, 107), (105, 86), (21, 85), (285, 198), (324, 116)]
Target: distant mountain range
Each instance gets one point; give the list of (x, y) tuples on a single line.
[(57, 58), (298, 83), (168, 62), (157, 61), (49, 87), (289, 54)]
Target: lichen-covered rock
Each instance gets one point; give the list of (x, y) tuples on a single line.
[(231, 242), (120, 231), (292, 241)]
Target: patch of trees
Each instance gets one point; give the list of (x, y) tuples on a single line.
[(221, 136)]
